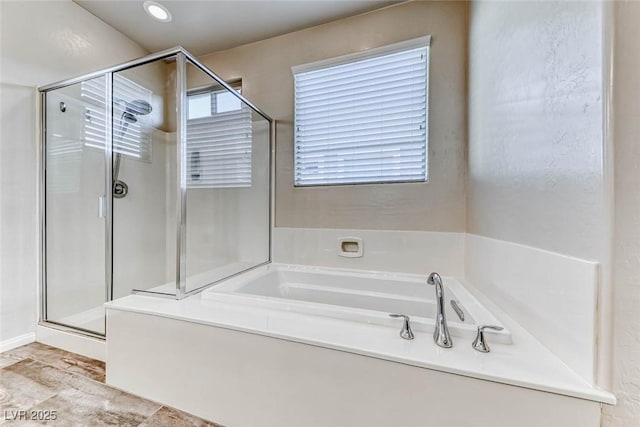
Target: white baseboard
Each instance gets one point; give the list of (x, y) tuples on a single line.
[(18, 341)]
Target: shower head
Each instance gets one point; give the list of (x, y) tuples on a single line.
[(138, 107)]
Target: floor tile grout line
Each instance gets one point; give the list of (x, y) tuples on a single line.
[(28, 410), (6, 366), (11, 356), (150, 416)]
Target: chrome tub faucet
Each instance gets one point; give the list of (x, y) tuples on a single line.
[(441, 333)]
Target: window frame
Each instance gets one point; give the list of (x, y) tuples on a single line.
[(212, 90), (424, 41)]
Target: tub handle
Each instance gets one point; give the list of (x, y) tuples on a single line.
[(457, 309), (480, 343), (406, 332)]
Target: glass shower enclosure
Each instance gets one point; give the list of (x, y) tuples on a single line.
[(155, 179)]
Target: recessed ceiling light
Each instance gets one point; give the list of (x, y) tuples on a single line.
[(157, 11)]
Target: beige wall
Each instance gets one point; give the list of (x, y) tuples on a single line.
[(40, 42), (265, 69), (626, 273), (535, 125)]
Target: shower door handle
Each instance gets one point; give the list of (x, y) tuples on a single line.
[(102, 208)]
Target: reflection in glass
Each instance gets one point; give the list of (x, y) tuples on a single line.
[(144, 143), (227, 183), (75, 189)]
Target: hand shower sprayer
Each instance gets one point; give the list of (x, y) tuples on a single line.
[(137, 107)]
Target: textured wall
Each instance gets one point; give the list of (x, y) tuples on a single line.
[(536, 154), (535, 125), (626, 98), (40, 42), (265, 69)]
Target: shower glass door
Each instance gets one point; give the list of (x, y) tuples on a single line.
[(74, 197)]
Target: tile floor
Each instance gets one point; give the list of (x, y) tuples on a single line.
[(37, 380)]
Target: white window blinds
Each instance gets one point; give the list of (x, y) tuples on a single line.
[(64, 146), (363, 120), (219, 136), (131, 133)]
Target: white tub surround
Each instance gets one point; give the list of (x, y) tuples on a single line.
[(551, 295), (403, 251), (248, 380), (525, 362)]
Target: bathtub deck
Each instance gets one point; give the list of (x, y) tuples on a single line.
[(525, 363)]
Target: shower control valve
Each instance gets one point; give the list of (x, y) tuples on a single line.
[(120, 189)]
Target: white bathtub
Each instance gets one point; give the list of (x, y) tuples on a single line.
[(359, 296)]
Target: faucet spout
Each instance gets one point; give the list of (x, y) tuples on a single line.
[(441, 332)]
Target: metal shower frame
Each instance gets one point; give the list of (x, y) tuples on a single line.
[(182, 57)]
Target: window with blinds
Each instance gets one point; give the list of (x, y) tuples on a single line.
[(363, 118), (131, 133), (219, 137)]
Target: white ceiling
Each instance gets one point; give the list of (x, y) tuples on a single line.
[(209, 26)]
